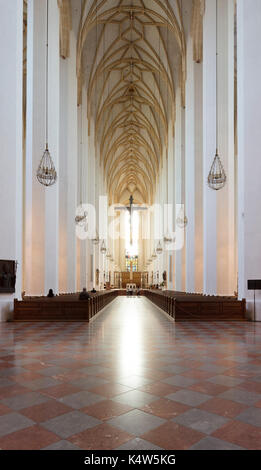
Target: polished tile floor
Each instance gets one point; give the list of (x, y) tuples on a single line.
[(131, 379)]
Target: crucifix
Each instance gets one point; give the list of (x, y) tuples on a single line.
[(130, 209)]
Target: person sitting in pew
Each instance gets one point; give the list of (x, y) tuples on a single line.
[(50, 293), (84, 294)]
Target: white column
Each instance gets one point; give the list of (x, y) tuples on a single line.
[(178, 183), (82, 182), (209, 147), (170, 222), (11, 126), (52, 193), (194, 179), (190, 169), (180, 144), (35, 145), (199, 179), (249, 161), (68, 170), (226, 270)]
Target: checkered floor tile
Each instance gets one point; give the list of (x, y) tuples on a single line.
[(131, 379)]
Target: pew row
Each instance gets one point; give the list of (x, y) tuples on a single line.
[(190, 307), (62, 307)]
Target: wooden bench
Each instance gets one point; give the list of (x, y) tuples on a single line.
[(66, 307), (190, 307)]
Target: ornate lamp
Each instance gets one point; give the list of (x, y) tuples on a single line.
[(217, 176), (46, 173), (81, 217), (103, 248), (181, 220), (167, 239), (159, 249), (154, 255), (96, 240)]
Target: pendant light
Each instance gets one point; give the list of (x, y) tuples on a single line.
[(167, 239), (96, 240), (181, 220), (81, 214), (159, 249), (217, 176), (46, 173), (103, 248), (81, 217)]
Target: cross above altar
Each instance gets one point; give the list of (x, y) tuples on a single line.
[(130, 209)]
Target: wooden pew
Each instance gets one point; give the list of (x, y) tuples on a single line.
[(190, 307), (66, 307)]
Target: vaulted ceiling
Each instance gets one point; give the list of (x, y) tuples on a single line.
[(131, 58)]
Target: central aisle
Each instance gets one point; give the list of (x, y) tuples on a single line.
[(131, 379)]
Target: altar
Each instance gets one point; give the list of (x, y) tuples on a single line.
[(121, 279)]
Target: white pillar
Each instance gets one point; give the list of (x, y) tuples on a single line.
[(226, 270), (199, 179), (219, 233), (52, 193), (178, 183), (11, 126), (82, 184), (249, 161), (68, 170), (209, 147), (190, 169), (35, 145), (194, 179), (170, 222)]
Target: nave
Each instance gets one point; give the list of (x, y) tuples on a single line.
[(130, 379)]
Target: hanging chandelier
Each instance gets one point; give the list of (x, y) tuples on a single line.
[(103, 248), (81, 217), (46, 173), (96, 240), (167, 239), (159, 249), (217, 176), (154, 255), (181, 220)]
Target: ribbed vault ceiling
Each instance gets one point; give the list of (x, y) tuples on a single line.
[(131, 58)]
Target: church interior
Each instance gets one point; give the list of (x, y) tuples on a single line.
[(130, 241)]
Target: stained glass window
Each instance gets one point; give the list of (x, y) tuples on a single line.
[(132, 261)]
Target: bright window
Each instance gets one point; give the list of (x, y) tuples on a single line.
[(132, 249)]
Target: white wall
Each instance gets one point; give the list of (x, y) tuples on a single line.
[(249, 161), (11, 195)]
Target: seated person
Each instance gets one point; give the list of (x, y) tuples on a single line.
[(84, 294), (50, 293), (93, 291)]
